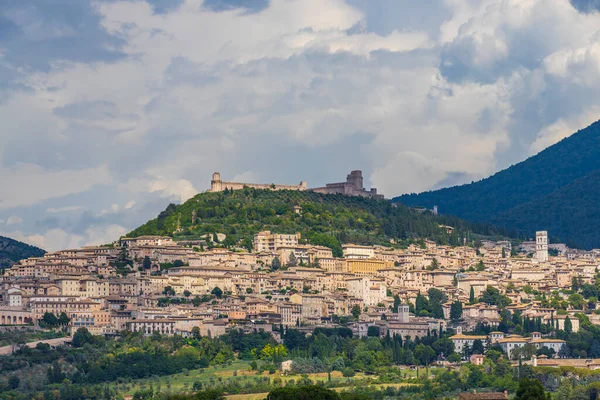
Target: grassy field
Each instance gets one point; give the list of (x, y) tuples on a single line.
[(261, 396), (239, 371)]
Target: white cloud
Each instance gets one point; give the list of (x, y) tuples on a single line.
[(57, 239), (29, 184), (563, 128), (14, 219)]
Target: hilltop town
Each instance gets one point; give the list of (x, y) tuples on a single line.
[(153, 284)]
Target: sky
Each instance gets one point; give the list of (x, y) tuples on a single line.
[(110, 110)]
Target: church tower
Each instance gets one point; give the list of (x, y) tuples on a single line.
[(541, 246)]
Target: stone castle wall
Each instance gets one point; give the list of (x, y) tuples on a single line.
[(217, 185)]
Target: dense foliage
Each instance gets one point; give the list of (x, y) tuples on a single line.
[(556, 190), (11, 251), (327, 220)]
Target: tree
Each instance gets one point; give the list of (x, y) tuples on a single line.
[(196, 332), (424, 354), (456, 310), (13, 382), (178, 263), (169, 291), (81, 337), (503, 252), (480, 266), (302, 392), (373, 331), (478, 347), (217, 292), (531, 389), (472, 295), (421, 304), (275, 264), (63, 319), (396, 303), (187, 293), (492, 296), (292, 262), (55, 374), (568, 325), (575, 284), (577, 301), (356, 311), (49, 319), (147, 264), (434, 265)]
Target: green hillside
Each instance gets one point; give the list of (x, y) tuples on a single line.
[(503, 197), (11, 251), (325, 219)]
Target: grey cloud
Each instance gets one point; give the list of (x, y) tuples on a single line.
[(35, 34), (183, 71), (250, 6)]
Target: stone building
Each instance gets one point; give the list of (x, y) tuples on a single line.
[(352, 187), (218, 185)]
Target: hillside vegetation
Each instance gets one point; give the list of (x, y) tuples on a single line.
[(11, 251), (327, 220), (534, 194)]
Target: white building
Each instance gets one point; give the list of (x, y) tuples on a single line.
[(371, 290), (358, 251), (541, 246)]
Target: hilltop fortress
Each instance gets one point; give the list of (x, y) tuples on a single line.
[(352, 187), (217, 185)]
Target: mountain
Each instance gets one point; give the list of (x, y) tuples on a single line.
[(553, 190), (11, 251), (322, 219)]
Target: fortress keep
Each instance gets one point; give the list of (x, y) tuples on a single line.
[(352, 187)]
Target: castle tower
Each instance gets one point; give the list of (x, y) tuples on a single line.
[(541, 246), (216, 185), (355, 178)]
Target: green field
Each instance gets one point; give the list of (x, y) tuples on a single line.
[(238, 371)]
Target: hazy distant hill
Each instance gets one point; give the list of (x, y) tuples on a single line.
[(324, 219), (553, 190), (12, 251)]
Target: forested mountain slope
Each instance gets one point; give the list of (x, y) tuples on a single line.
[(505, 196), (12, 251), (571, 213), (323, 219)]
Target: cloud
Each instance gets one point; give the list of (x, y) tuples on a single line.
[(14, 219), (114, 109), (57, 239), (36, 184), (53, 210)]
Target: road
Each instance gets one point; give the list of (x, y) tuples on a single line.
[(7, 350)]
